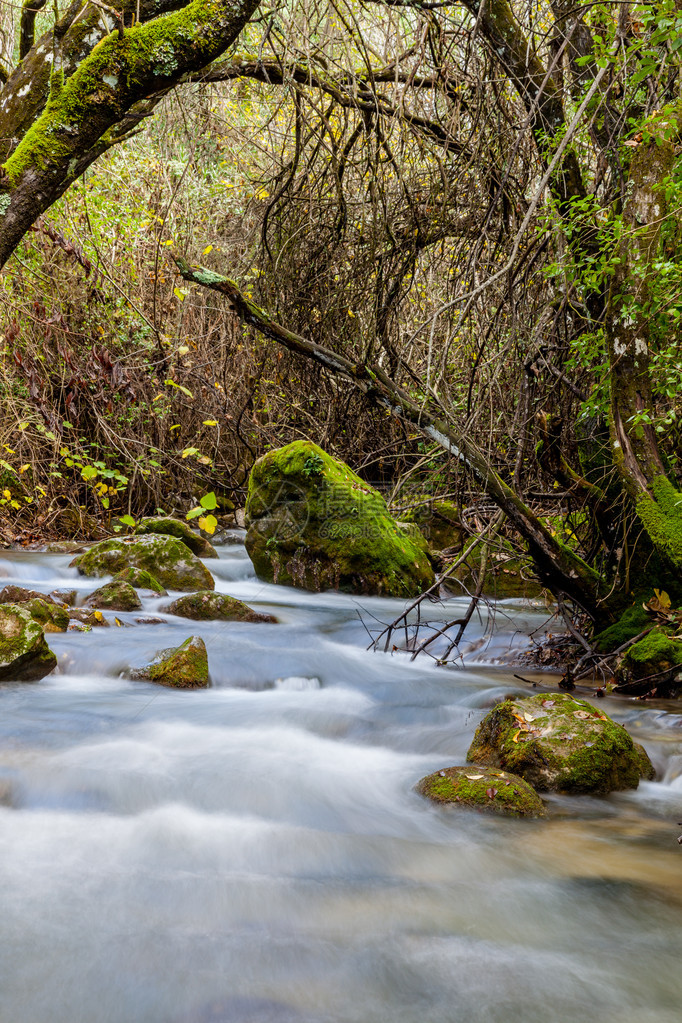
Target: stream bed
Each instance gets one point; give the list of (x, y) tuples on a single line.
[(255, 852)]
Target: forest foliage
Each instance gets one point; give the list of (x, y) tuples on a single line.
[(476, 203)]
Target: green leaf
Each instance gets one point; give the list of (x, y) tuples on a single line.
[(127, 520), (209, 501), (88, 472), (194, 512)]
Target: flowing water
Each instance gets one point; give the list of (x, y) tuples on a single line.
[(255, 852)]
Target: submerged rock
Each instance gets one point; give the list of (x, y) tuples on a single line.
[(558, 743), (117, 595), (182, 667), (141, 580), (24, 654), (167, 559), (314, 524), (166, 525), (484, 789), (209, 606)]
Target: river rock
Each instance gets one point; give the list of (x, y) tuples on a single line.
[(484, 789), (48, 615), (314, 524), (24, 654), (182, 667), (141, 580), (209, 606), (12, 594), (87, 619), (166, 525), (118, 595), (166, 558), (558, 743)]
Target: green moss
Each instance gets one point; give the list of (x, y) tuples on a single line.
[(661, 516), (141, 580), (325, 528), (557, 742), (182, 667), (165, 525), (118, 595), (484, 789), (48, 615), (633, 621), (208, 606), (24, 654), (147, 57), (164, 557), (656, 652)]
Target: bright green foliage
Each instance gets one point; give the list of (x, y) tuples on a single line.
[(656, 652)]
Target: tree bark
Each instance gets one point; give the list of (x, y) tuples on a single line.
[(82, 110)]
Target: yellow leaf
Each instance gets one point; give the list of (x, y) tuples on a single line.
[(183, 349), (515, 736), (98, 615), (24, 467), (7, 494), (208, 523), (210, 422), (663, 598), (209, 248)]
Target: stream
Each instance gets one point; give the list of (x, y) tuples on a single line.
[(255, 852)]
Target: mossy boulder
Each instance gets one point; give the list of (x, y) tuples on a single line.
[(166, 525), (12, 594), (24, 654), (485, 789), (208, 606), (48, 615), (657, 652), (118, 595), (439, 520), (141, 580), (182, 667), (166, 558), (631, 622), (314, 524), (558, 743)]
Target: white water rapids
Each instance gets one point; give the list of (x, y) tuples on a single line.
[(255, 852)]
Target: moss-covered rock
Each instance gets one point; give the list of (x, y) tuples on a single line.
[(82, 620), (484, 789), (558, 743), (208, 606), (654, 653), (12, 594), (49, 616), (182, 667), (439, 520), (314, 524), (24, 654), (169, 560), (166, 525), (141, 580), (117, 595), (631, 622)]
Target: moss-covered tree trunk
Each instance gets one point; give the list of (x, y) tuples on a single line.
[(90, 89), (630, 314)]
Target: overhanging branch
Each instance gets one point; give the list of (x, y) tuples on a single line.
[(559, 568)]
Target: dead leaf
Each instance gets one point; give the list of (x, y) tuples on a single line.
[(491, 793), (582, 714), (474, 777), (529, 717), (515, 736)]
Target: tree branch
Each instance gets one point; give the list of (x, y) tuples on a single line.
[(559, 568)]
